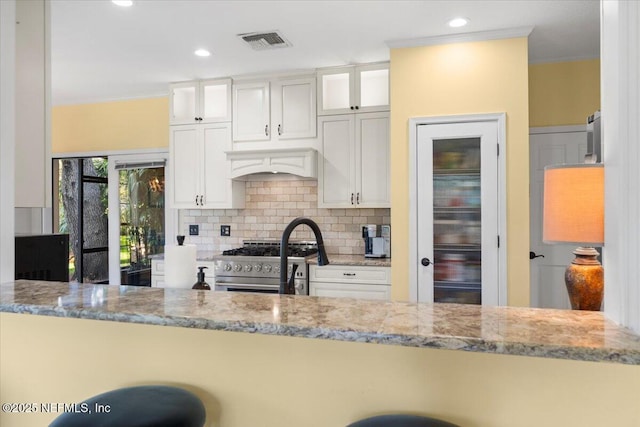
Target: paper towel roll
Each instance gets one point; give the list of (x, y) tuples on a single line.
[(180, 266)]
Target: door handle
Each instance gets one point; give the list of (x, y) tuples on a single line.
[(426, 262), (266, 130), (533, 255)]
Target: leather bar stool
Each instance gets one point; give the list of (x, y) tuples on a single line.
[(143, 406), (401, 420)]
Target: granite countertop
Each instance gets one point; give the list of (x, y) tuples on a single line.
[(562, 334), (337, 259)]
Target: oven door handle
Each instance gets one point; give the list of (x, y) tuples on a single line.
[(244, 285)]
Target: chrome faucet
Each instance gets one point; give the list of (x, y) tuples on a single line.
[(287, 287)]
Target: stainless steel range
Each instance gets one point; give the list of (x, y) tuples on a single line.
[(255, 267)]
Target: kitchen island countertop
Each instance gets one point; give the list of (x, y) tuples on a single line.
[(562, 334)]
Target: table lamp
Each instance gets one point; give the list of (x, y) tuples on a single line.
[(573, 212)]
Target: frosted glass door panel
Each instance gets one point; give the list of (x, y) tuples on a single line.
[(183, 104), (336, 91), (457, 220), (374, 88), (215, 102)]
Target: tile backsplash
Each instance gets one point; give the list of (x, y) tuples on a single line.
[(270, 205)]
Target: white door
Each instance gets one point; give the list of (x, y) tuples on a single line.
[(216, 172), (550, 147), (251, 112), (372, 154), (457, 223), (336, 171), (294, 108), (185, 168)]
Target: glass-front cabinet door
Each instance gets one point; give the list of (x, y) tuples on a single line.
[(196, 102), (457, 217)]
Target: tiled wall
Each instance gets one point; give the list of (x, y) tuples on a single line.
[(270, 206)]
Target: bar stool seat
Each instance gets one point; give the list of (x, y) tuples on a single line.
[(143, 406), (401, 420)]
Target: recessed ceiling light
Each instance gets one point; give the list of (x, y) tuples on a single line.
[(202, 52), (458, 22), (123, 3)]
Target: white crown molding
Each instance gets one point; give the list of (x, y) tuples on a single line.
[(507, 33)]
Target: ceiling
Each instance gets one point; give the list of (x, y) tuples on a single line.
[(102, 52)]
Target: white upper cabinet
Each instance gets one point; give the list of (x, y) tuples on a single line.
[(354, 165), (363, 88), (293, 107), (251, 113), (274, 110), (200, 173), (206, 101)]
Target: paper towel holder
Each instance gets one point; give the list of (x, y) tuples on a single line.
[(180, 239)]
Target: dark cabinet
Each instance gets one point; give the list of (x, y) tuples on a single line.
[(42, 257)]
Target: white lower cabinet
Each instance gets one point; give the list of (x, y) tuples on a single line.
[(350, 281), (157, 273)]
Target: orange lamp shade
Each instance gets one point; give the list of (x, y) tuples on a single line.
[(574, 204)]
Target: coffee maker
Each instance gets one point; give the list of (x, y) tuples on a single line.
[(377, 240)]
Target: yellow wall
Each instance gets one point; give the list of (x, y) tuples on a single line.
[(463, 78), (563, 93), (118, 125), (256, 380)]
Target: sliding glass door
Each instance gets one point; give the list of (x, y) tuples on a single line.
[(141, 213), (81, 211), (139, 206)]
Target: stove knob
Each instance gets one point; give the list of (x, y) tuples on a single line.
[(267, 268), (276, 269), (237, 268), (247, 268), (257, 267), (227, 267)]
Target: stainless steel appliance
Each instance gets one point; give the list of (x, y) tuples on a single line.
[(255, 267), (377, 240)]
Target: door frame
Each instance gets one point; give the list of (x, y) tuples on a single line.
[(170, 215), (414, 122)]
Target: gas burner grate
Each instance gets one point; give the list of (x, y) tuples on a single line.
[(272, 249)]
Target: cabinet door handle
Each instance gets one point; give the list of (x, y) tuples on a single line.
[(279, 129), (196, 200), (357, 107), (351, 198), (201, 202), (266, 130), (358, 199), (348, 274), (195, 118), (352, 107)]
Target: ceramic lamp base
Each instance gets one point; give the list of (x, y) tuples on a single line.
[(584, 278)]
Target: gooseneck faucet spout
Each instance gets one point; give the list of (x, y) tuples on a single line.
[(287, 287)]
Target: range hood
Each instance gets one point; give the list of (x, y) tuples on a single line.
[(296, 161)]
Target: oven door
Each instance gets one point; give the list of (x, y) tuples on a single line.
[(257, 285)]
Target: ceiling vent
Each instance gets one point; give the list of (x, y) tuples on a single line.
[(265, 40)]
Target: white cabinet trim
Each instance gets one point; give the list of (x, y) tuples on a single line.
[(301, 162)]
